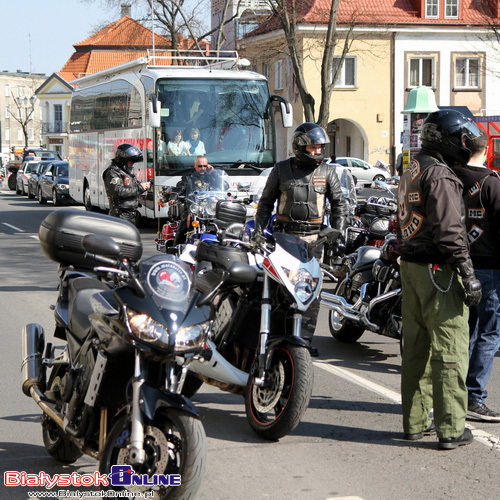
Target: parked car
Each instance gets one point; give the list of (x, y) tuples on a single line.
[(362, 171), (35, 177), (54, 184), (24, 173)]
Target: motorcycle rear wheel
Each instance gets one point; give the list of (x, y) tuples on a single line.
[(340, 328), (174, 444), (57, 443), (273, 411)]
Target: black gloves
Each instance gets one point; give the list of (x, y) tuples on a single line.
[(472, 285)]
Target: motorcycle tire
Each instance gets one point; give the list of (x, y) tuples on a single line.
[(340, 328), (191, 385), (57, 443), (275, 409), (174, 444)]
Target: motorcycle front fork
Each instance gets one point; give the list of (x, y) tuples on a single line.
[(265, 328), (136, 447)]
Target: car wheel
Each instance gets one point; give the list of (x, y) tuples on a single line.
[(55, 199), (379, 177), (41, 199), (30, 194), (18, 191)]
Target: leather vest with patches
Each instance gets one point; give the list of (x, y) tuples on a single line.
[(415, 228), (302, 193), (480, 233)]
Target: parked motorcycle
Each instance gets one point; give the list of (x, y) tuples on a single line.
[(198, 207), (112, 390), (368, 296), (255, 347)]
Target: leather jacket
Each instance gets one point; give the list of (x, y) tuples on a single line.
[(301, 193), (429, 213), (122, 188)]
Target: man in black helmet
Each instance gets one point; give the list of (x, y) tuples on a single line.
[(438, 283), (122, 187), (301, 185)]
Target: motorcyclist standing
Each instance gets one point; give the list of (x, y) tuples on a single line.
[(122, 187), (301, 185), (438, 283)]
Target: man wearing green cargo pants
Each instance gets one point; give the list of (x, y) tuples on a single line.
[(438, 284)]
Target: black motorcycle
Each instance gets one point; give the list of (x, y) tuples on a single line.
[(368, 294), (113, 389)]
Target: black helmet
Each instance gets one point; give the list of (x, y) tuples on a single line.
[(444, 132), (305, 135), (125, 153)]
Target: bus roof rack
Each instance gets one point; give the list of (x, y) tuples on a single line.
[(214, 60)]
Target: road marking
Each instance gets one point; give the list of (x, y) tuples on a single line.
[(483, 437), (13, 227), (363, 382)]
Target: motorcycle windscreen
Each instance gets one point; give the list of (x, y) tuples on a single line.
[(293, 245), (206, 182)]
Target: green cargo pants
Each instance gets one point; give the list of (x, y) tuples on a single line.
[(435, 351)]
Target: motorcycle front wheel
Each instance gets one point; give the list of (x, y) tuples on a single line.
[(275, 408), (340, 328), (174, 444)]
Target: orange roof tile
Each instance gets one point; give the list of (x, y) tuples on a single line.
[(379, 13)]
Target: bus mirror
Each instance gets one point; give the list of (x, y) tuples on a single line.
[(286, 110), (154, 107)]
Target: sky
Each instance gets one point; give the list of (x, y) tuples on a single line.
[(38, 35)]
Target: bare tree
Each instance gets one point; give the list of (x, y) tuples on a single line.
[(23, 113), (289, 14)]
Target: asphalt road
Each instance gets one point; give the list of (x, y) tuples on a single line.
[(349, 444)]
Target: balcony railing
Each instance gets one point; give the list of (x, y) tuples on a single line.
[(55, 128)]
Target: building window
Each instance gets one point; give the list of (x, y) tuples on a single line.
[(422, 72), (7, 111), (19, 135), (467, 72), (58, 121), (31, 135), (7, 90), (265, 70), (278, 75), (431, 8), (7, 134), (20, 91), (451, 8), (346, 77)]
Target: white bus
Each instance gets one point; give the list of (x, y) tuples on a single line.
[(147, 104)]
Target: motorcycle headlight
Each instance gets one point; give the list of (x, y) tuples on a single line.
[(191, 337), (195, 209), (304, 283), (210, 208), (147, 329)]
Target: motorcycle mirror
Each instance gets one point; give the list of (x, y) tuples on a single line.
[(381, 185), (101, 245), (240, 272)]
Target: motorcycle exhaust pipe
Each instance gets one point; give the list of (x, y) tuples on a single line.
[(33, 344), (381, 298), (218, 368), (341, 306)]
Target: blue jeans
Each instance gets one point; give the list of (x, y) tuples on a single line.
[(484, 334)]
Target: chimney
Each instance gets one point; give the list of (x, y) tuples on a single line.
[(126, 10)]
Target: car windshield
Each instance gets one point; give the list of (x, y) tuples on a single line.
[(30, 168)]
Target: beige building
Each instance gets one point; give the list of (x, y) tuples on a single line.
[(20, 112)]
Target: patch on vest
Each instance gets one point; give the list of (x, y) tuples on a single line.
[(475, 213), (475, 232), (115, 180), (412, 228), (414, 197), (414, 169), (474, 190), (319, 180)]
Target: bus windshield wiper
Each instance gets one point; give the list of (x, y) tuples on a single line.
[(243, 164)]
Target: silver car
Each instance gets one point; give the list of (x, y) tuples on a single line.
[(362, 171)]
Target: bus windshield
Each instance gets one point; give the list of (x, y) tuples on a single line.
[(229, 121)]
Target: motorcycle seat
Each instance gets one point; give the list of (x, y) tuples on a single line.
[(80, 308)]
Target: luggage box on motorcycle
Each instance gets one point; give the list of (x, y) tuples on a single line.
[(62, 231), (220, 255)]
